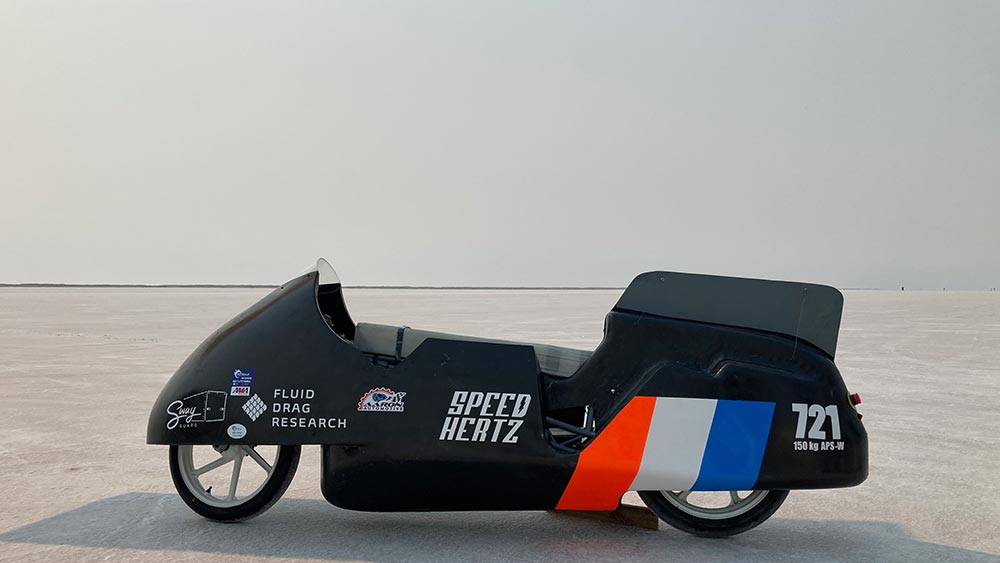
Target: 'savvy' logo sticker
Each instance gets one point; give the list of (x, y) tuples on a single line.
[(207, 406)]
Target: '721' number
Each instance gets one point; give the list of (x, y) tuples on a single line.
[(818, 413)]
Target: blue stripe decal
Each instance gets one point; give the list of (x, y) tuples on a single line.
[(735, 446)]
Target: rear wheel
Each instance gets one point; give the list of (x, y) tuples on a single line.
[(232, 483), (713, 514)]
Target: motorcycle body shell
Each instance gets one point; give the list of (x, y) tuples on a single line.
[(678, 404)]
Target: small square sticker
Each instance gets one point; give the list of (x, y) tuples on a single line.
[(242, 380)]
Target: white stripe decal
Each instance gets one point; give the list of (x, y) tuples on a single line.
[(675, 444)]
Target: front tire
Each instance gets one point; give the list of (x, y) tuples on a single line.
[(740, 513), (242, 494)]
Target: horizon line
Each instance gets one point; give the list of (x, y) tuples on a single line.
[(421, 287), (271, 286)]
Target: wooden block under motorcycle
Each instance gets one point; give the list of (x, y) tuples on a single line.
[(625, 514)]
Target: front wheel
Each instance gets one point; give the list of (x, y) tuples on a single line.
[(713, 514), (232, 483)]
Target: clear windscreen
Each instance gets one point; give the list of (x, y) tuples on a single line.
[(330, 299), (327, 275)]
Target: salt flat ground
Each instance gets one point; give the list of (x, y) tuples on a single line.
[(79, 369)]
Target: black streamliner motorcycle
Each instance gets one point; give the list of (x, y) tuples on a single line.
[(703, 386)]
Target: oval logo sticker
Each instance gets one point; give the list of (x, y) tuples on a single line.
[(237, 431)]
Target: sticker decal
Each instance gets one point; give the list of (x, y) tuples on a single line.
[(242, 380), (236, 431), (207, 406), (299, 401), (381, 399), (816, 439), (254, 407), (475, 416)]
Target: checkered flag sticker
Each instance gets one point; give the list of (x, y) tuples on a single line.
[(254, 407)]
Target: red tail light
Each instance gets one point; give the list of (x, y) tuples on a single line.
[(855, 400)]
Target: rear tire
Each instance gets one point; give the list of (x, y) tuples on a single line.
[(743, 513), (229, 507)]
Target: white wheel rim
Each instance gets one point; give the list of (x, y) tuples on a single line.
[(739, 502), (230, 458)]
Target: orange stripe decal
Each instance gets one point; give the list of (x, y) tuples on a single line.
[(608, 465)]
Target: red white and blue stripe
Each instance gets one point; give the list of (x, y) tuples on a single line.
[(671, 443)]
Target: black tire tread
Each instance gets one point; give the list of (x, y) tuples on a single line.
[(706, 528)]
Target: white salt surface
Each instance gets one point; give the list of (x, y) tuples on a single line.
[(79, 369)]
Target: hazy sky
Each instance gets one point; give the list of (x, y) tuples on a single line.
[(503, 143)]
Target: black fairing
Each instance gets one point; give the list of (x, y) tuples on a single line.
[(655, 356), (397, 456), (285, 340), (409, 468), (310, 381)]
